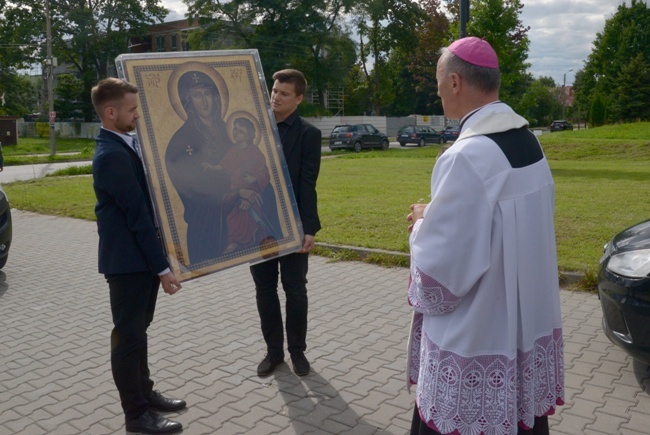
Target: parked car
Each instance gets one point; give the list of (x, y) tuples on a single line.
[(624, 290), (357, 137), (451, 132), (561, 125), (5, 228), (419, 134)]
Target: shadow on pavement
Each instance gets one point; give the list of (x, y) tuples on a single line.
[(642, 374), (4, 286), (314, 402)]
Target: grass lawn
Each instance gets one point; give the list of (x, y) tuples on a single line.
[(37, 150), (601, 187)]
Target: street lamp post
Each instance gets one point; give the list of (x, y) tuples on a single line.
[(464, 17), (50, 77), (564, 94)]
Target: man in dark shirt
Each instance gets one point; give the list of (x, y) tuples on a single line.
[(301, 144)]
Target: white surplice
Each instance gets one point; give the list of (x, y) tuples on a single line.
[(486, 349)]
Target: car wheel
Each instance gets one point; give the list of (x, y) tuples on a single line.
[(357, 147), (402, 144), (384, 145), (422, 143), (441, 140), (3, 261)]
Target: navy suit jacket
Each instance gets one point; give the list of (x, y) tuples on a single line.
[(128, 238), (301, 146)]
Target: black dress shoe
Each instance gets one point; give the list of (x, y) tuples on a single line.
[(300, 364), (268, 364), (152, 423), (161, 403)]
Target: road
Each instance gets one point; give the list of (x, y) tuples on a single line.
[(28, 172)]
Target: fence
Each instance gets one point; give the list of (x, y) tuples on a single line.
[(87, 130), (390, 125)]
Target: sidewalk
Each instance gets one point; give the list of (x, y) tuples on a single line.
[(36, 170), (205, 345)]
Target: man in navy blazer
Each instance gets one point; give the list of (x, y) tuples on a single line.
[(301, 146), (131, 256)]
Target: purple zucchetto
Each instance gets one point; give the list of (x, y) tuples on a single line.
[(476, 51)]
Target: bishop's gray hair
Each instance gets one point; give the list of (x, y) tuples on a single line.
[(485, 79)]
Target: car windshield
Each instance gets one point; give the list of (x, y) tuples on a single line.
[(341, 129)]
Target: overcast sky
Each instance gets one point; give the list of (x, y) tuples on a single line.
[(561, 32)]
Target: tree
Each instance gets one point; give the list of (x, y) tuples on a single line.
[(305, 35), (384, 26), (431, 37), (498, 22), (632, 106), (626, 35), (18, 93), (356, 92), (540, 104), (598, 111), (403, 97), (88, 34), (68, 95)]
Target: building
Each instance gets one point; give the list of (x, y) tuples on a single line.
[(568, 96), (172, 36), (164, 37)]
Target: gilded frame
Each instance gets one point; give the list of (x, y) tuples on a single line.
[(208, 139)]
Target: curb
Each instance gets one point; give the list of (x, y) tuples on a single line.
[(566, 278)]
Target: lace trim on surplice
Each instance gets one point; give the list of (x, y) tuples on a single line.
[(428, 296), (489, 394)]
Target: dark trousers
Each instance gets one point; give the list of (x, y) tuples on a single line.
[(292, 269), (133, 301), (419, 427)]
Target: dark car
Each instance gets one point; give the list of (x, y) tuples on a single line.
[(451, 132), (357, 137), (561, 125), (5, 228), (624, 290), (419, 134)]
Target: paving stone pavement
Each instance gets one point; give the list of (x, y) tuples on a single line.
[(205, 345)]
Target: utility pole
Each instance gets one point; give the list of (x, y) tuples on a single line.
[(49, 62)]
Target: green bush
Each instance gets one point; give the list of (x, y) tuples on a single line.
[(43, 129), (597, 112)]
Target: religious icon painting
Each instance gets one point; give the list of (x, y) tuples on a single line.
[(210, 146)]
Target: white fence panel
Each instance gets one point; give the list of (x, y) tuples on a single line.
[(390, 126)]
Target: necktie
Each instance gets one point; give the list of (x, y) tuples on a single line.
[(136, 145)]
